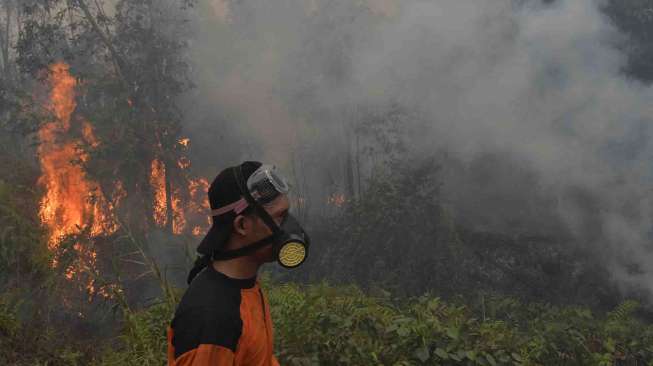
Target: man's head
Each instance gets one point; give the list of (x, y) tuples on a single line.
[(249, 208), (236, 223)]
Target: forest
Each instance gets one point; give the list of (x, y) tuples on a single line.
[(475, 175)]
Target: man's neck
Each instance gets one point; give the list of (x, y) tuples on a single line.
[(239, 268)]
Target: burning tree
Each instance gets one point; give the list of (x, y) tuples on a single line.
[(109, 140)]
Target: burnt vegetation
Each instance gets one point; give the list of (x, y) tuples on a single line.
[(402, 270)]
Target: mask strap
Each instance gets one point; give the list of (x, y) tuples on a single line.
[(200, 263), (219, 255), (257, 206)]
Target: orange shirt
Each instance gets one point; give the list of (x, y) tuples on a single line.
[(221, 321)]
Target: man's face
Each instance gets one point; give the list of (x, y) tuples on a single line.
[(258, 230)]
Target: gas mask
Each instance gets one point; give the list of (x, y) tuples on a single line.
[(289, 241)]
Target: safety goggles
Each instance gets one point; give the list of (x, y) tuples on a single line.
[(264, 185)]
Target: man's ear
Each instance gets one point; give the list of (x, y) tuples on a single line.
[(240, 225)]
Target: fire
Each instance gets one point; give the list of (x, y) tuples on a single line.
[(71, 201), (183, 163), (197, 187), (184, 141), (337, 199), (66, 206), (200, 204), (87, 133), (183, 211), (158, 183), (160, 206), (178, 214)]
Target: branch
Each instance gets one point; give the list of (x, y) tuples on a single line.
[(118, 61)]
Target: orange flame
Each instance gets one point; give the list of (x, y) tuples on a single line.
[(183, 163), (66, 206), (184, 141), (71, 201), (158, 183), (337, 199), (160, 206), (178, 214), (199, 204), (183, 212)]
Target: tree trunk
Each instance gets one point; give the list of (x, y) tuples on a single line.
[(349, 170), (358, 164), (349, 159), (4, 40), (3, 64)]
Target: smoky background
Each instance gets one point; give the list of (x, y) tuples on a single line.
[(487, 152), (536, 126)]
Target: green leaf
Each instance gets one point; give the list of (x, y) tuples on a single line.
[(403, 331), (441, 353), (422, 353), (453, 333), (471, 355), (517, 357)]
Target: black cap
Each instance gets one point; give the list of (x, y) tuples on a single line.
[(224, 191)]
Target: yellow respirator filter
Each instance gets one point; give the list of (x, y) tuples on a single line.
[(292, 254)]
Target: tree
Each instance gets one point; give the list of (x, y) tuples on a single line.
[(132, 68)]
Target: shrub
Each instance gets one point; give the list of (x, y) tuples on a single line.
[(322, 324)]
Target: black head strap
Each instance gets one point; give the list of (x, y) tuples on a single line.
[(219, 255), (205, 260), (244, 191)]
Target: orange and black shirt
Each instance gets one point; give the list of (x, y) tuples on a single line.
[(221, 321)]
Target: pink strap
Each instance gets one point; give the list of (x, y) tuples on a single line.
[(238, 207)]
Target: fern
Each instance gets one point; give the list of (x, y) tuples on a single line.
[(625, 310)]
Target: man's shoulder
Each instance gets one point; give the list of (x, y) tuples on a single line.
[(209, 292), (207, 314)]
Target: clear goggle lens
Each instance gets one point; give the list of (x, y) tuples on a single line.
[(265, 184)]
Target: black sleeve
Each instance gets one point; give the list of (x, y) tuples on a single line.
[(206, 326)]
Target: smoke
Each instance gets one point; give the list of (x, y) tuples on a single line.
[(528, 101)]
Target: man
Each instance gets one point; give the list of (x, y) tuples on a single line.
[(224, 317)]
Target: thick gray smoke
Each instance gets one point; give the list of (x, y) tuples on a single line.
[(538, 88)]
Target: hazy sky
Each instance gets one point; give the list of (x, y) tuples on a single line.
[(538, 87)]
